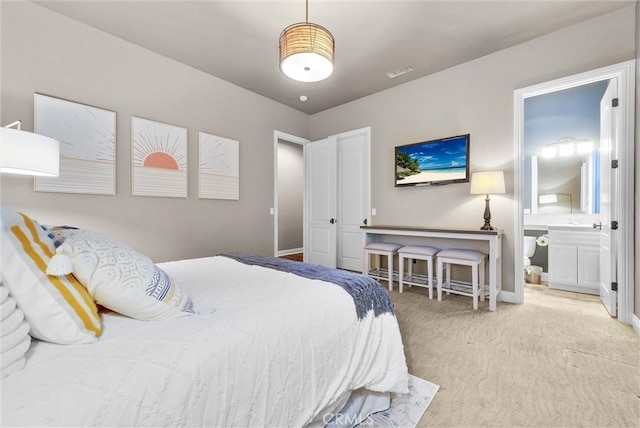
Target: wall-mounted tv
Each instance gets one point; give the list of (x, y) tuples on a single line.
[(433, 162)]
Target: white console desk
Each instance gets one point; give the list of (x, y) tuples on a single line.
[(481, 240)]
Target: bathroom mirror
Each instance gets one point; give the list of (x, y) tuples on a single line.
[(565, 184), (561, 141)]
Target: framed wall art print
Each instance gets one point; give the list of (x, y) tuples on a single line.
[(159, 159), (219, 167), (87, 138)]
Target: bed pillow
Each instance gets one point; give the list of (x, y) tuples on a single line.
[(57, 309), (59, 233), (120, 278), (14, 335)]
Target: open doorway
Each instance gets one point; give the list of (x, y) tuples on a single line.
[(562, 176), (289, 196), (336, 194), (621, 179)]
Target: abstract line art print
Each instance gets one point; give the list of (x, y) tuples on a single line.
[(87, 138), (219, 173), (159, 159)]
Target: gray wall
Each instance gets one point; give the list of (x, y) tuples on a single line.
[(44, 52), (47, 53), (290, 195), (477, 98)]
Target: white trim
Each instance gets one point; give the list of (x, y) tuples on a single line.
[(624, 73), (635, 323), (279, 135), (289, 252), (507, 296)]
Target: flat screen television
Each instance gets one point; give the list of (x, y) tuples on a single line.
[(434, 162)]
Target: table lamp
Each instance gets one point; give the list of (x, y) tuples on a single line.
[(487, 183), (23, 152)]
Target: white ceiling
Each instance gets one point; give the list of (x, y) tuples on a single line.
[(238, 40)]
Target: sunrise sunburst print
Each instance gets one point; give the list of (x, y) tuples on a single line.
[(159, 158), (219, 167)]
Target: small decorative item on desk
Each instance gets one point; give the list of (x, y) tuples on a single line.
[(486, 183)]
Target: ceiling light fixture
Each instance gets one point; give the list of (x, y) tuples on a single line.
[(306, 51), (26, 153)]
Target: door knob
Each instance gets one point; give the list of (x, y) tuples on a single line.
[(597, 225), (332, 221), (364, 221)]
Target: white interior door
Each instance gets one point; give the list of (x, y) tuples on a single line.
[(608, 149), (320, 199), (353, 197)]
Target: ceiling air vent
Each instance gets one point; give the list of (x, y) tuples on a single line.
[(400, 71)]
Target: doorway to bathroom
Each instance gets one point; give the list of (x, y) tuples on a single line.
[(559, 196)]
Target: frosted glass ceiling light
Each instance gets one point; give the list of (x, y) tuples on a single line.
[(26, 153), (306, 51)]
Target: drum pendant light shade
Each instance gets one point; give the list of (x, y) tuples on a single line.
[(26, 153), (306, 52)]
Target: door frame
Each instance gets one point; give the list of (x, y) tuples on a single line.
[(625, 73), (277, 136)]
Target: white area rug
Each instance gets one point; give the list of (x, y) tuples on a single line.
[(406, 410)]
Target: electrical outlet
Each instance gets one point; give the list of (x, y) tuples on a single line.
[(373, 211)]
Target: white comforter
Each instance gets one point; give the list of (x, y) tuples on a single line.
[(278, 350)]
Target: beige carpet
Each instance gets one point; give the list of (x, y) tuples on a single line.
[(556, 361)]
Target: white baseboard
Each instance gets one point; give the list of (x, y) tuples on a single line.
[(635, 323), (507, 296), (290, 251)]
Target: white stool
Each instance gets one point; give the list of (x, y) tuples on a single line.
[(472, 258), (416, 252), (380, 249)]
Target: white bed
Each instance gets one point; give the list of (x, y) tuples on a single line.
[(266, 348)]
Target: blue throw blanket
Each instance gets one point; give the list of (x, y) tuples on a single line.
[(367, 293)]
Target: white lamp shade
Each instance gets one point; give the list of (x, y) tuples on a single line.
[(487, 183), (23, 152)]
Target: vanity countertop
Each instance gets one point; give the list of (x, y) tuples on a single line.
[(573, 227), (535, 227)]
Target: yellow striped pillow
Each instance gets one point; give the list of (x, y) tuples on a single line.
[(58, 309)]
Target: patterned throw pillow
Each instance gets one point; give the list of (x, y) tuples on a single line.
[(57, 309), (58, 233), (122, 279)]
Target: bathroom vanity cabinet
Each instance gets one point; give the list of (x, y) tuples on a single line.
[(574, 258)]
